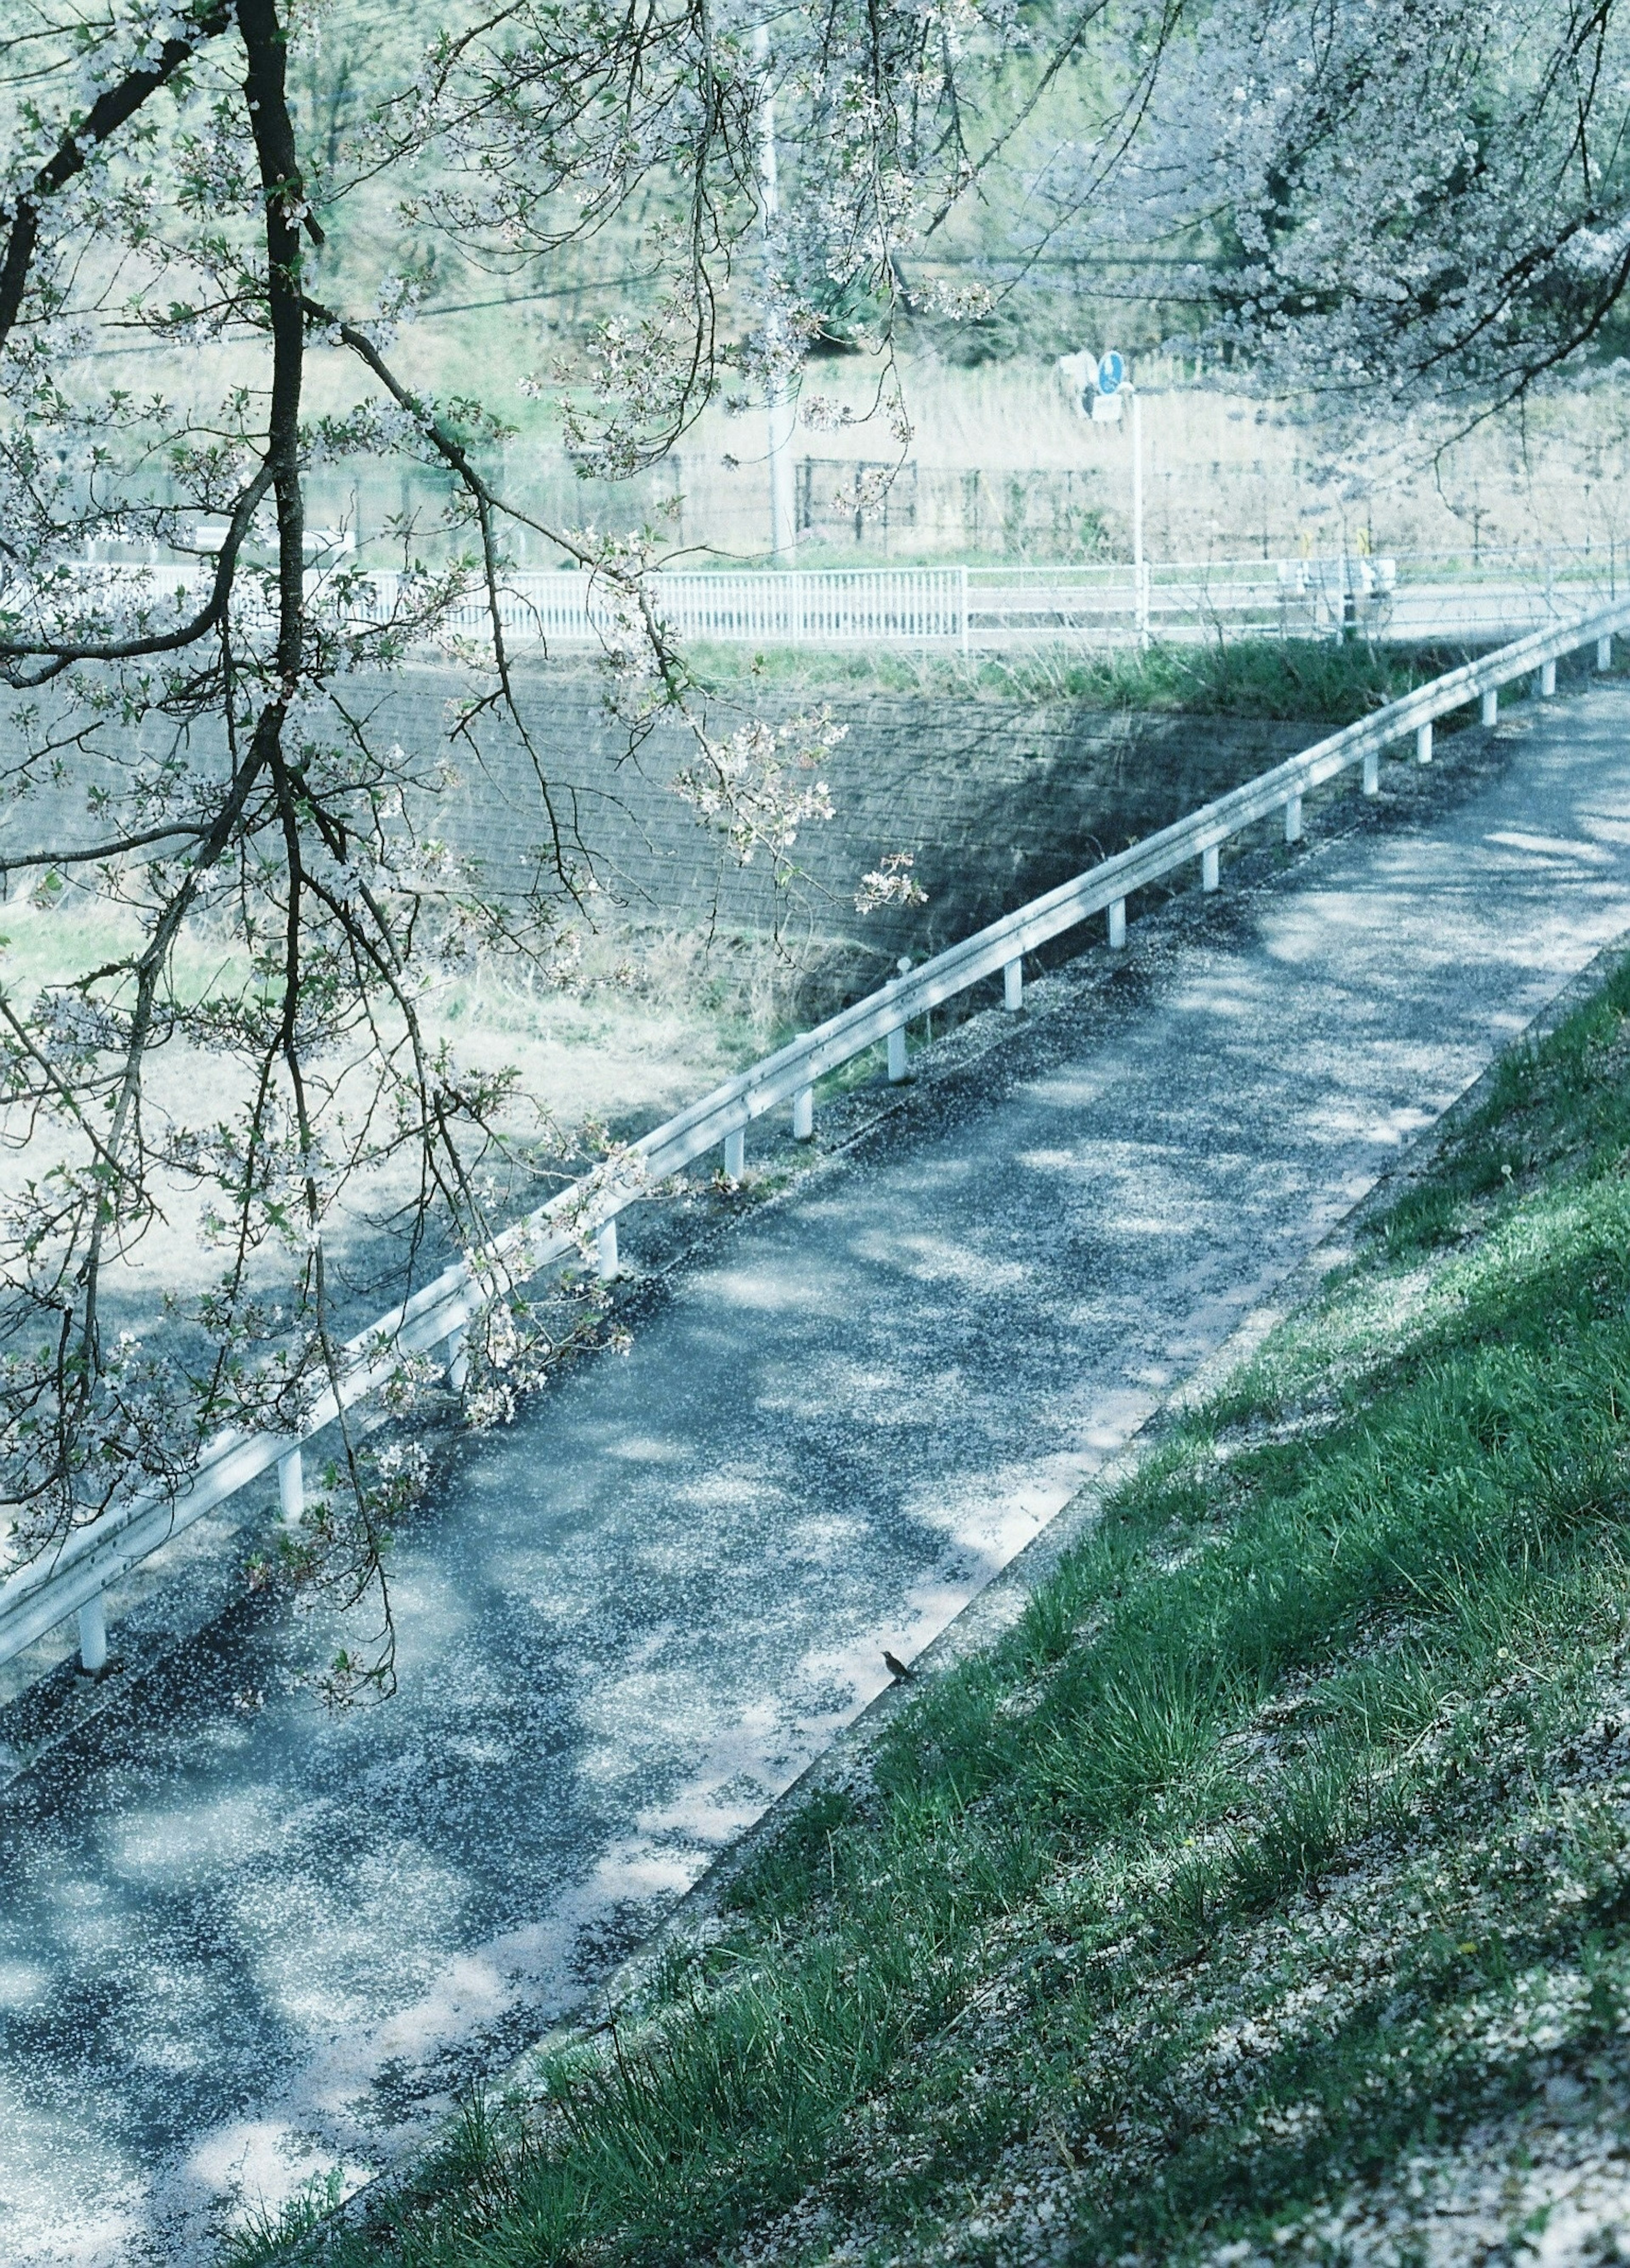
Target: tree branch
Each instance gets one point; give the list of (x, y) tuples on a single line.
[(107, 113)]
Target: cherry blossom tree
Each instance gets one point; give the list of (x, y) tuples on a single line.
[(202, 203), (219, 221), (1410, 208)]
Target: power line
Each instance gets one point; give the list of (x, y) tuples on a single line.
[(421, 314)]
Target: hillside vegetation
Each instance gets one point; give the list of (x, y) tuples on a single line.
[(1319, 681), (1265, 1894)]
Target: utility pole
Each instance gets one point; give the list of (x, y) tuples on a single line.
[(783, 532)]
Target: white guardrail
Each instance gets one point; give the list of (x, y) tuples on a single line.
[(74, 1577)]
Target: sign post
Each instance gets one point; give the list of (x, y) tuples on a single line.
[(1106, 409), (1141, 573), (1095, 385)]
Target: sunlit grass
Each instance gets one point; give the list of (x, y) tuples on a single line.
[(51, 941), (646, 1015)]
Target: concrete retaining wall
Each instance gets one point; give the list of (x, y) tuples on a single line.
[(996, 801)]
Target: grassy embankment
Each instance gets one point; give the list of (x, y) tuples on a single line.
[(648, 1016), (1310, 680), (1266, 1891)]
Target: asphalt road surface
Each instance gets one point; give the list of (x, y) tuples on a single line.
[(242, 1940)]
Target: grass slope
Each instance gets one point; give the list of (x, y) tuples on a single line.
[(1292, 681), (1265, 1894)]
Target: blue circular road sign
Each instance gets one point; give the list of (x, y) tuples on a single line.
[(1111, 373)]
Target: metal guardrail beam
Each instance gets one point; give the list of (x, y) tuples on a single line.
[(38, 1596)]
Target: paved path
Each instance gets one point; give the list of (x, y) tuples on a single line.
[(240, 1940)]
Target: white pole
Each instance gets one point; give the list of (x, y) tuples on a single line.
[(94, 1637), (292, 1487), (1137, 518), (783, 534)]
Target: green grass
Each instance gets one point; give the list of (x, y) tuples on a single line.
[(1292, 680), (59, 936), (1260, 1889)]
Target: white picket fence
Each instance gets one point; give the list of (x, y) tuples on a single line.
[(1419, 596), (865, 606), (74, 1578)]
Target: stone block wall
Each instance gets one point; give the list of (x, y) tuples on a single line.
[(996, 802)]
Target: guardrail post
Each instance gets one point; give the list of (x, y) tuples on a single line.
[(93, 1637), (1544, 681), (458, 1359), (606, 1250), (897, 1038), (1292, 818), (291, 1487), (1013, 985), (1210, 871), (803, 1114), (1117, 924), (1491, 708), (1605, 652), (1372, 771), (1423, 744), (735, 1154)]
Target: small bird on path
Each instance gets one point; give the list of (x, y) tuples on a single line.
[(896, 1668)]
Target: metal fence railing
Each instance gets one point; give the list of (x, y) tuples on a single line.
[(34, 1598), (1477, 597), (865, 606)]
